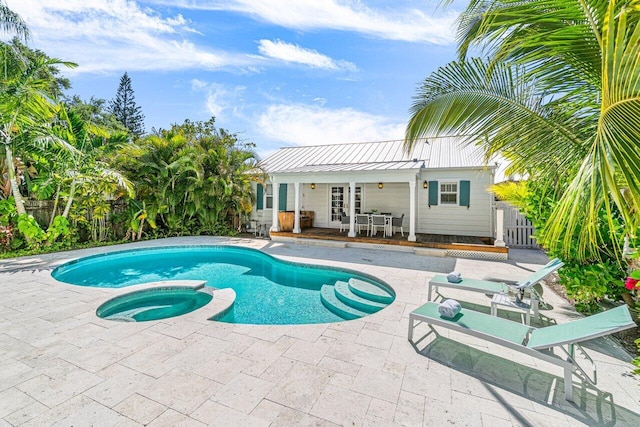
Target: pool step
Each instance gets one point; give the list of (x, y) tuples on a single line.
[(344, 294), (370, 291), (331, 301)]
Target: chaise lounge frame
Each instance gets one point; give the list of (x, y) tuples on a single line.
[(537, 343), (491, 288)]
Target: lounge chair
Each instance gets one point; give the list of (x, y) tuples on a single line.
[(538, 343), (491, 288)]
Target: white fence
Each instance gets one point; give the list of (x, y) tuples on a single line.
[(518, 230)]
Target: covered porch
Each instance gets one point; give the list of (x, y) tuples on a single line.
[(442, 244)]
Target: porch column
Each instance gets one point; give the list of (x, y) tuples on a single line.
[(412, 211), (296, 221), (499, 229), (274, 202), (352, 209)]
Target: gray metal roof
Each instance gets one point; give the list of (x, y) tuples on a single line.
[(443, 152)]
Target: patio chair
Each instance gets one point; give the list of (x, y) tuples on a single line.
[(362, 221), (254, 226), (344, 222), (538, 343), (524, 286), (378, 221), (396, 222)]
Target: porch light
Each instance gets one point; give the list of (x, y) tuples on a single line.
[(380, 185), (313, 186), (425, 185)]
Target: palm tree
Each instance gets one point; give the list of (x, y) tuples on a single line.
[(26, 106), (559, 94), (11, 22), (191, 176)]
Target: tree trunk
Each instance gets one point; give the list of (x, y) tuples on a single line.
[(141, 228), (55, 206), (72, 191), (15, 190)]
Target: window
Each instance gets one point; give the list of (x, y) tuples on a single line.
[(268, 197), (449, 193)]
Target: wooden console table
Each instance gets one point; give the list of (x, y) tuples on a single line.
[(287, 220)]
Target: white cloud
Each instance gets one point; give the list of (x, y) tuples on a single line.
[(219, 99), (112, 35), (293, 53), (398, 22), (298, 124)]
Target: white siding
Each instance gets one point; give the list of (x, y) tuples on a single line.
[(457, 220), (393, 197), (316, 200)]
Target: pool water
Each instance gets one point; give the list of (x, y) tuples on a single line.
[(153, 304), (268, 290)]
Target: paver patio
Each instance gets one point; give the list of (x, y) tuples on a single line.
[(62, 365)]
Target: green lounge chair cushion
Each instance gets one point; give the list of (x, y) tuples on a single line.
[(479, 322), (538, 275), (598, 325)]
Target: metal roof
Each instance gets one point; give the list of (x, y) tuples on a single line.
[(442, 152)]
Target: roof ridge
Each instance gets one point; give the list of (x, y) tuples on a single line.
[(345, 143), (369, 163), (425, 139)]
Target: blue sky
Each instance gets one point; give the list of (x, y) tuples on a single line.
[(275, 72)]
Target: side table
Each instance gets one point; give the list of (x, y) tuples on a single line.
[(525, 306)]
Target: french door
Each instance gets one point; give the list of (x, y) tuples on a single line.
[(339, 202)]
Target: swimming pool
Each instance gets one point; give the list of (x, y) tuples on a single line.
[(268, 290)]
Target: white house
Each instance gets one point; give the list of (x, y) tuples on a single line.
[(440, 186)]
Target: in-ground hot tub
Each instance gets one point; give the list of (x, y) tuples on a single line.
[(153, 304)]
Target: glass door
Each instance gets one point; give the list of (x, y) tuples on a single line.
[(340, 203), (337, 203), (358, 200)]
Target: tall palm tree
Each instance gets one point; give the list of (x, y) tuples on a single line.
[(26, 107), (12, 23), (558, 92)]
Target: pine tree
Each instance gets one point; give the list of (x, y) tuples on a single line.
[(124, 107)]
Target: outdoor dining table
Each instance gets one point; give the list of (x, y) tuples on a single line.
[(387, 223)]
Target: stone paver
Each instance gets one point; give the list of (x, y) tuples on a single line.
[(61, 365)]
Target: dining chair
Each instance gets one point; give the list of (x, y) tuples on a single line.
[(362, 221), (378, 221), (344, 222), (396, 222)]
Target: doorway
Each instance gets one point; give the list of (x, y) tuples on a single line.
[(339, 202)]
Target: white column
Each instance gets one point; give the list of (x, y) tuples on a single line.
[(499, 229), (352, 209), (412, 211), (296, 222), (276, 198)]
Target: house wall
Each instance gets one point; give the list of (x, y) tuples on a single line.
[(394, 197), (316, 200), (454, 219)]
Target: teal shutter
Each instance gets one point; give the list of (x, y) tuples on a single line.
[(433, 193), (282, 198), (465, 193), (259, 197)]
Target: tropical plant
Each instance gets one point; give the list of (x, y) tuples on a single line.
[(558, 93), (12, 23), (27, 87), (189, 178)]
